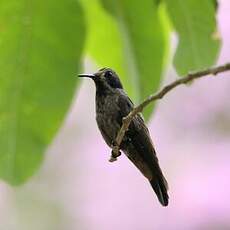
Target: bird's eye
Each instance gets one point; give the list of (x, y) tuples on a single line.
[(108, 74)]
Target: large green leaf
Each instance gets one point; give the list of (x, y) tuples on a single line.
[(40, 48), (140, 46), (195, 23), (104, 42)]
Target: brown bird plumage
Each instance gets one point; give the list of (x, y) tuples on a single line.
[(112, 104)]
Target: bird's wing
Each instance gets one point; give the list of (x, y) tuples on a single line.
[(138, 146), (125, 105), (137, 142)]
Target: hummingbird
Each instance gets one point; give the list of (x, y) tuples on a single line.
[(112, 105)]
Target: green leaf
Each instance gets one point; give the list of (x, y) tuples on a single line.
[(195, 23), (216, 4), (157, 2), (104, 44), (40, 49), (142, 43)]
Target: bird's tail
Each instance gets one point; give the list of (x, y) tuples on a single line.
[(160, 187)]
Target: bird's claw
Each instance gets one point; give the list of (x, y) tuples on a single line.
[(115, 153), (112, 159)]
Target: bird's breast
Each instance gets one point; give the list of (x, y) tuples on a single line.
[(107, 112)]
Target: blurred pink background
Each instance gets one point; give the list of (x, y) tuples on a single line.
[(77, 188)]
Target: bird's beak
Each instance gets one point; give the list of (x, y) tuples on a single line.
[(92, 76)]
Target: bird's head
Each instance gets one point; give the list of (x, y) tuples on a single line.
[(105, 79)]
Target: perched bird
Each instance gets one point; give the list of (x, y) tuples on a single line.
[(112, 104)]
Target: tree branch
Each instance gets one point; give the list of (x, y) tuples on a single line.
[(127, 120)]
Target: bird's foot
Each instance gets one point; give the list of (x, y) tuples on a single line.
[(114, 156), (115, 153), (112, 159)]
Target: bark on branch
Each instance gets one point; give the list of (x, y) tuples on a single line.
[(188, 78)]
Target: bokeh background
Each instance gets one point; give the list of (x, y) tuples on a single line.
[(77, 188)]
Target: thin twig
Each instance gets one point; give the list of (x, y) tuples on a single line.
[(127, 120)]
